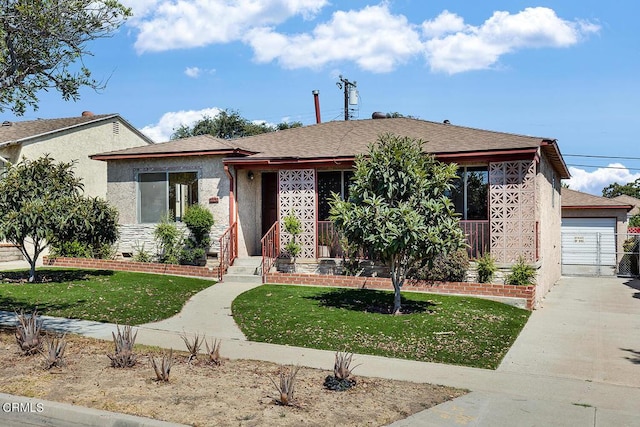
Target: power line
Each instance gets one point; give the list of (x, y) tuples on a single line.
[(600, 157), (605, 167)]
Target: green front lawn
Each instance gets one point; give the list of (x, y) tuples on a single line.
[(436, 328), (100, 295)]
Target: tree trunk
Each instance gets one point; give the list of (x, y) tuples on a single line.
[(397, 278)]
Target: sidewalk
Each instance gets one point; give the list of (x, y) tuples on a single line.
[(545, 379)]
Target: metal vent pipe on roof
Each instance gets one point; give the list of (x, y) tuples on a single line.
[(316, 101)]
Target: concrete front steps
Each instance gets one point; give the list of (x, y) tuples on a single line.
[(244, 270)]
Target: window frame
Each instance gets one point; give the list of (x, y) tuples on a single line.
[(167, 190), (465, 195)]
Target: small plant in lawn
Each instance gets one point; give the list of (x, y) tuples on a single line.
[(123, 356), (521, 273), (162, 367), (193, 345), (213, 352), (341, 381), (28, 333), (286, 387), (486, 268), (53, 352)]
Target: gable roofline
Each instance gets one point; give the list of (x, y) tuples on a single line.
[(46, 127), (573, 199)]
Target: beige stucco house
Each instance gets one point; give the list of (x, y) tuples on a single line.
[(508, 194), (71, 138)]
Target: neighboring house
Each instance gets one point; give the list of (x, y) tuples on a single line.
[(629, 200), (72, 138), (593, 233), (508, 194)]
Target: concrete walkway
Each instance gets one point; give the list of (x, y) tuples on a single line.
[(576, 362)]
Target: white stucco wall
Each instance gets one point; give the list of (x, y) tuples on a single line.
[(122, 193), (78, 144)]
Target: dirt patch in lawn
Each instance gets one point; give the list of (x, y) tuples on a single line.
[(238, 393)]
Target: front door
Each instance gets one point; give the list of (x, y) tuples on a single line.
[(269, 200)]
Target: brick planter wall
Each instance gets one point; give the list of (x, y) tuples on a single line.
[(527, 293), (140, 267)]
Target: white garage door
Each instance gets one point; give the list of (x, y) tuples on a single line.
[(589, 246)]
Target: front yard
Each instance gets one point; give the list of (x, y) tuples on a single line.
[(99, 295), (435, 328)]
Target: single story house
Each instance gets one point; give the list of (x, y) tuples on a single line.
[(593, 233), (508, 194), (629, 200)]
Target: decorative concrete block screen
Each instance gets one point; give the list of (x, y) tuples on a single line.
[(513, 210), (298, 196)]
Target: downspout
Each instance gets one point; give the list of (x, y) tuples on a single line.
[(233, 213)]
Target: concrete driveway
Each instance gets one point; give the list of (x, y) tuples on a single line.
[(587, 328)]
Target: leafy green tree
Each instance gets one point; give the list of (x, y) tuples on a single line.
[(398, 207), (37, 199), (228, 124), (41, 43), (93, 227), (630, 189)]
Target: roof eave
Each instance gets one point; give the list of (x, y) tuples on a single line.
[(124, 156)]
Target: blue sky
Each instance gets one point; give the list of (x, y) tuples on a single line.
[(562, 69)]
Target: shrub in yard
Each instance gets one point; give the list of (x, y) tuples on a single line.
[(162, 368), (169, 240), (521, 273), (193, 345), (213, 353), (199, 221), (486, 268), (123, 356), (53, 352), (28, 333), (293, 226), (451, 267), (141, 255), (286, 386), (631, 248), (341, 381)]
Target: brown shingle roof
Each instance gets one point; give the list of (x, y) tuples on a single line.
[(196, 144), (628, 200), (578, 199), (17, 132), (349, 138)]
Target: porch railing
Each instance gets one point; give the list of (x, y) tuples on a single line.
[(270, 248), (228, 249), (477, 235), (476, 232)]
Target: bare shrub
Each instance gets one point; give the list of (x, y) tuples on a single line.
[(193, 345), (53, 352), (342, 370), (123, 357), (286, 387), (213, 352), (163, 367), (28, 332)]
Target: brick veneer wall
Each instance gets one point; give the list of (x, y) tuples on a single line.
[(528, 293), (141, 267)]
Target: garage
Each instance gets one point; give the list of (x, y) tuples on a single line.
[(593, 233), (589, 246)]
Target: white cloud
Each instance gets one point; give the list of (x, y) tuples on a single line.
[(170, 24), (475, 48), (193, 72), (594, 182), (169, 122), (372, 37)]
